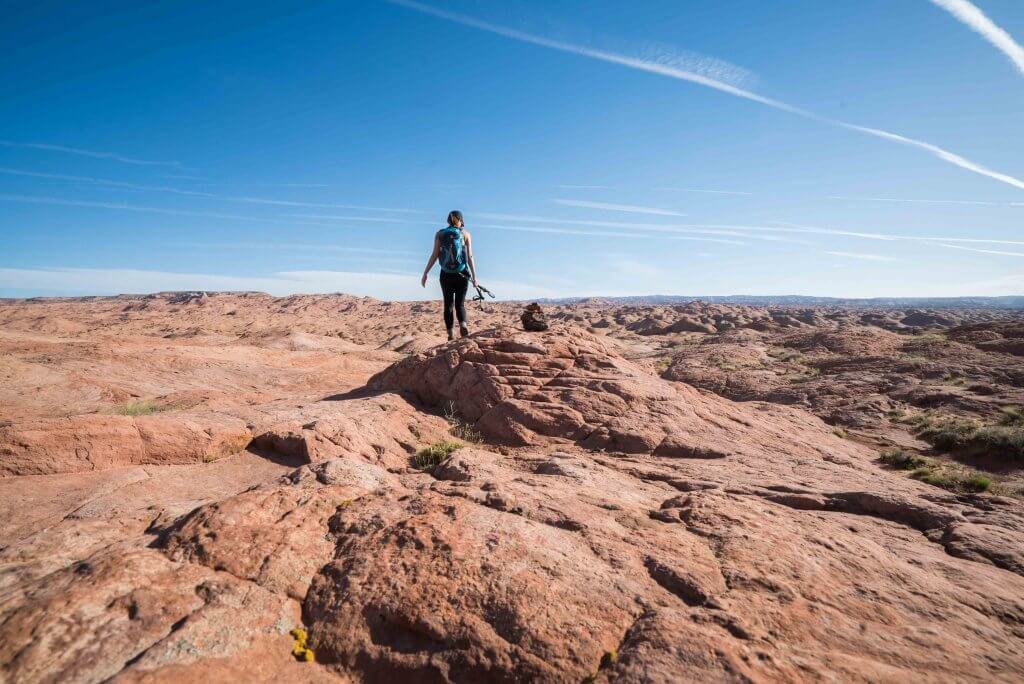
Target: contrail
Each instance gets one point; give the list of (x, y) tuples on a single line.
[(117, 206), (196, 193), (602, 55), (684, 75), (862, 256), (625, 208), (88, 153), (982, 251), (919, 201), (707, 192), (975, 19)]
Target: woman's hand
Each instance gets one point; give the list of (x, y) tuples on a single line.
[(423, 280), (474, 281)]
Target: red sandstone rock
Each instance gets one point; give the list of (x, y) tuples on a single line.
[(613, 525)]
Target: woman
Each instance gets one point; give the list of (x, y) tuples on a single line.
[(453, 249)]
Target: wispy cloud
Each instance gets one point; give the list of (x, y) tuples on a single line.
[(370, 219), (920, 201), (978, 240), (291, 246), (120, 206), (735, 230), (559, 231), (625, 208), (982, 251), (607, 234), (704, 239), (798, 228), (862, 256), (973, 17), (911, 238), (88, 153), (680, 74), (708, 192), (195, 193)]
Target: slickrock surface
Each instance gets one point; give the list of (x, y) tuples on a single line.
[(187, 478)]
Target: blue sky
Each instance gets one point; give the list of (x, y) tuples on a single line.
[(707, 147)]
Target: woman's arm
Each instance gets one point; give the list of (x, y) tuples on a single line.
[(431, 260), (469, 257)]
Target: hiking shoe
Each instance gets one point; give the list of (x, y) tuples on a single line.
[(463, 331), (451, 335)]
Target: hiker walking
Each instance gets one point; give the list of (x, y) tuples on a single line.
[(453, 250)]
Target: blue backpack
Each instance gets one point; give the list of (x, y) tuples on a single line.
[(452, 252)]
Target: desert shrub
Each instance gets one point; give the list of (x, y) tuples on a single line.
[(1011, 416), (947, 435), (459, 427), (977, 483), (954, 481), (785, 355), (902, 460), (429, 457), (139, 408), (662, 364), (808, 373), (928, 338), (967, 437), (999, 440)]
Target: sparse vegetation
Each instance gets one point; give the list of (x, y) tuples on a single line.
[(785, 355), (928, 338), (139, 408), (896, 414), (937, 473), (1012, 416), (839, 432), (940, 477), (429, 457), (459, 427), (971, 438), (662, 364), (801, 375), (902, 460)]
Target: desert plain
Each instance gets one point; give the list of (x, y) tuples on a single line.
[(237, 487)]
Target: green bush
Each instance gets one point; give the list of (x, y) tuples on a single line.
[(429, 457), (977, 483)]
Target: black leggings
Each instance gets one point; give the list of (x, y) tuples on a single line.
[(453, 287)]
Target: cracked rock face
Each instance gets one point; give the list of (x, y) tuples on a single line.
[(567, 385), (612, 526)]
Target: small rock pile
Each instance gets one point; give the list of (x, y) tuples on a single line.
[(533, 318)]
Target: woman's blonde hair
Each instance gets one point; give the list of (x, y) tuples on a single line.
[(455, 214)]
